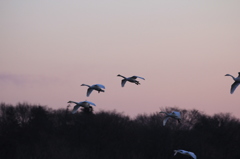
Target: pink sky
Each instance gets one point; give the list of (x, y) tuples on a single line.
[(182, 48)]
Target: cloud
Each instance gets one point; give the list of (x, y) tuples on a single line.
[(16, 79), (11, 78)]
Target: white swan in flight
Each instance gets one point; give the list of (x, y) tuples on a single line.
[(188, 153), (236, 82), (174, 115), (84, 104), (130, 79), (97, 87)]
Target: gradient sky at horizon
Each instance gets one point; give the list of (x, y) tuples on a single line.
[(182, 48)]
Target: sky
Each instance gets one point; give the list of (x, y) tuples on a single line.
[(183, 49)]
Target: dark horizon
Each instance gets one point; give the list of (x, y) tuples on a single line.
[(35, 131)]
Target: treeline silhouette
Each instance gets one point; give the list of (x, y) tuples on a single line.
[(38, 132)]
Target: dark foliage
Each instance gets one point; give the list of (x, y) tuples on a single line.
[(36, 132)]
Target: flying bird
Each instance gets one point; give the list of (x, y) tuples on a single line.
[(236, 82), (174, 115), (130, 79), (188, 153), (97, 87), (84, 104)]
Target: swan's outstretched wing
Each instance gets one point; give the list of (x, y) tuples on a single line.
[(91, 103), (100, 85), (234, 86), (135, 77), (177, 114), (165, 120), (141, 77), (75, 108), (89, 91), (123, 82), (192, 155)]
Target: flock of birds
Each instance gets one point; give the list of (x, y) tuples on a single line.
[(100, 88), (174, 114)]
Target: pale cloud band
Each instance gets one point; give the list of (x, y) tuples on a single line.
[(22, 79)]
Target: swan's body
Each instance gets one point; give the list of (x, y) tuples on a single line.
[(188, 153), (97, 87), (174, 115), (236, 82), (84, 104), (130, 79)]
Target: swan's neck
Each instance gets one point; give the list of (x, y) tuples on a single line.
[(164, 113), (122, 76), (72, 102), (232, 77), (85, 85)]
